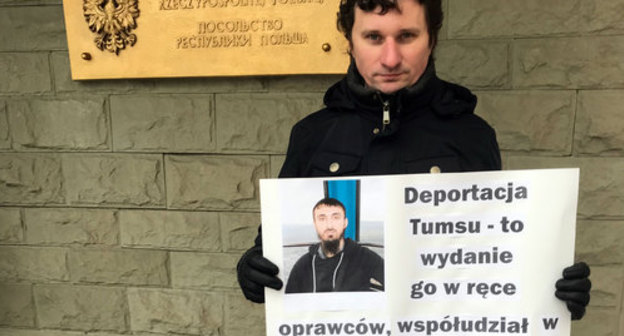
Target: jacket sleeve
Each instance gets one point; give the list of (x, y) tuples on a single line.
[(297, 277), (291, 166), (491, 158), (480, 148), (377, 270), (494, 156)]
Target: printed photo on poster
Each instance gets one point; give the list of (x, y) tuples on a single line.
[(333, 242)]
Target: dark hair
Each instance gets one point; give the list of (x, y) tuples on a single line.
[(328, 201), (433, 15)]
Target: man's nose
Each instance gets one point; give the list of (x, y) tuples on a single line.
[(331, 224), (390, 54)]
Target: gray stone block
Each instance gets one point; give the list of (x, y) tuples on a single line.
[(170, 123), (52, 226), (538, 121), (243, 317), (277, 161), (33, 264), (606, 286), (114, 266), (597, 322), (214, 182), (26, 28), (29, 73), (59, 124), (81, 307), (580, 62), (53, 332), (114, 179), (601, 182), (170, 229), (443, 35), (302, 83), (30, 2), (11, 230), (260, 122), (488, 18), (599, 126), (239, 230), (5, 138), (63, 82), (17, 309), (31, 179), (600, 242), (209, 84), (476, 64), (203, 270), (44, 332), (175, 311)]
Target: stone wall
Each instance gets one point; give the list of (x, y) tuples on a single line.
[(125, 204)]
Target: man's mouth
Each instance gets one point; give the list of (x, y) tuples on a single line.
[(390, 77)]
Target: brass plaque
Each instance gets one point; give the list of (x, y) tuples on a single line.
[(191, 38)]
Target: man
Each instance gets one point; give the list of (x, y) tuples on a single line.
[(391, 115), (335, 264)]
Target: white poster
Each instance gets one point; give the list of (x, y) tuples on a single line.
[(462, 254)]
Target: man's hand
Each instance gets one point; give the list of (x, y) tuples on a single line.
[(256, 272), (574, 288)]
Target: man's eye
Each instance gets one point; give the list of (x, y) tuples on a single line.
[(374, 37), (407, 36)]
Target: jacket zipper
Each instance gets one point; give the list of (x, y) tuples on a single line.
[(386, 114)]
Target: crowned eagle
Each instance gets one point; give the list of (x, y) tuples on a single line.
[(112, 21)]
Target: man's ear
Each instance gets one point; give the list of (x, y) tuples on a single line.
[(346, 222)]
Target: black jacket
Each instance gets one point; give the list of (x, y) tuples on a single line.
[(351, 270), (431, 124)]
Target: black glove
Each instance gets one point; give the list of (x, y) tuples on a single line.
[(574, 288), (256, 272)]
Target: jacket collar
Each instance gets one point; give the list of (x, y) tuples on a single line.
[(352, 93), (356, 84), (444, 99)]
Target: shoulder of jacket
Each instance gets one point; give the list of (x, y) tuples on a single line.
[(321, 116), (313, 248), (363, 254), (304, 259), (473, 122), (453, 100), (320, 119), (354, 247)]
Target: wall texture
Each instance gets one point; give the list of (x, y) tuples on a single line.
[(125, 204)]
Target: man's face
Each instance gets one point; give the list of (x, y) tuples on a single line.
[(329, 222), (391, 50)]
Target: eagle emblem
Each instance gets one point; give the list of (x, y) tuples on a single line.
[(112, 21)]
